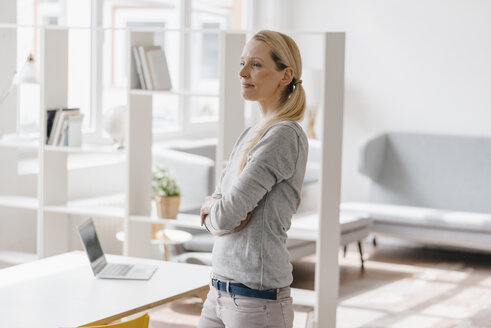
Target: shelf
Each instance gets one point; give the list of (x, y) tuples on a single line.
[(86, 148), (105, 206), (75, 162), (21, 144), (29, 203), (28, 143), (173, 92), (185, 144), (183, 220)]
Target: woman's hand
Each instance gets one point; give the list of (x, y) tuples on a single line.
[(205, 208)]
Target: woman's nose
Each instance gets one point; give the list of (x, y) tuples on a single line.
[(244, 72)]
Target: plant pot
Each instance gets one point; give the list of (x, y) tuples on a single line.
[(167, 207)]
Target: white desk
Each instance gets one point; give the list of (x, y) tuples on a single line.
[(61, 291)]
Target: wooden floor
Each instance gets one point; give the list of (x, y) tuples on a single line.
[(403, 285)]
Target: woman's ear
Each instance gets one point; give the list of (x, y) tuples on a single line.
[(287, 76)]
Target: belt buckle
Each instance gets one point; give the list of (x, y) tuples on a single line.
[(215, 283), (218, 284)]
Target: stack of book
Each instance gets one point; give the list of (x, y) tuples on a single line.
[(64, 127), (151, 67)]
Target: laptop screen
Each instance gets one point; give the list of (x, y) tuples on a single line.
[(90, 240)]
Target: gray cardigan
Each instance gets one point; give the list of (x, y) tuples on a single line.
[(270, 185)]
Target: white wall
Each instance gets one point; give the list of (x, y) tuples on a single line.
[(410, 65)]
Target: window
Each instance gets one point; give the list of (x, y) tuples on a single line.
[(212, 15), (205, 73), (192, 56), (54, 12)]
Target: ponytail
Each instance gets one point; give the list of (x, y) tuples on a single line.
[(292, 109)]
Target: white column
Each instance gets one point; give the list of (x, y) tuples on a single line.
[(139, 166), (184, 64), (8, 110), (97, 42), (139, 158), (231, 109), (327, 268), (53, 229)]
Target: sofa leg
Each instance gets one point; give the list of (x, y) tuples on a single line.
[(374, 241), (344, 250), (361, 256)]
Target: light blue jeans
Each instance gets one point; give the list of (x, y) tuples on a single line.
[(222, 309)]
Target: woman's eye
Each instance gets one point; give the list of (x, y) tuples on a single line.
[(256, 65), (241, 64)]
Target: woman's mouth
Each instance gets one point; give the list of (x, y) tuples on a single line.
[(247, 85)]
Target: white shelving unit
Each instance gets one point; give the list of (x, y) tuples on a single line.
[(85, 148), (55, 209), (50, 205), (138, 211)]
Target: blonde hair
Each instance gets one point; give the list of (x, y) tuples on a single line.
[(285, 53)]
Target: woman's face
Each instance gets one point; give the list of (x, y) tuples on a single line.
[(260, 79)]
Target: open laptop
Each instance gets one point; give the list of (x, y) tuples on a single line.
[(105, 270)]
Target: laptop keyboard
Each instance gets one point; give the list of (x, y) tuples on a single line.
[(117, 269)]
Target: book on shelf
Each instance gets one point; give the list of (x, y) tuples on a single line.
[(50, 118), (159, 71), (151, 68), (72, 135), (145, 68), (139, 68), (66, 124), (53, 116)]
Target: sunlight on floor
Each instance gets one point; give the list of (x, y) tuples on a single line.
[(400, 288)]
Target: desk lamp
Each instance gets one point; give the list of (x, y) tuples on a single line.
[(28, 74)]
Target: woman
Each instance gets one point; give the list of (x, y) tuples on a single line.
[(251, 270)]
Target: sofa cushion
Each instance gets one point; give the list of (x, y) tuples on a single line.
[(202, 258), (453, 239), (194, 174), (347, 221), (200, 147), (312, 170), (201, 242), (424, 217), (427, 170)]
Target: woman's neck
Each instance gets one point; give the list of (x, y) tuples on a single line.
[(269, 106)]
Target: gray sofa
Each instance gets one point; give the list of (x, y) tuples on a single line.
[(433, 189)]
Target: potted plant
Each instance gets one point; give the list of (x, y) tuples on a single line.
[(166, 193)]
